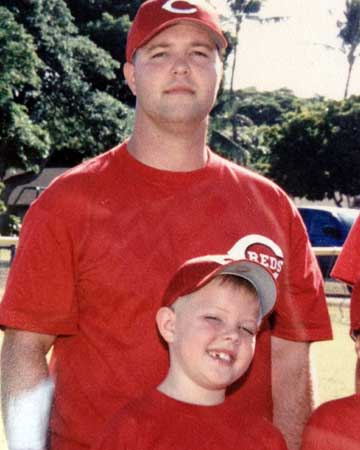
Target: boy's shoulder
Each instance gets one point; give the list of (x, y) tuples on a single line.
[(334, 425), (338, 412)]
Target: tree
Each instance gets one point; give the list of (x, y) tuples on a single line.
[(71, 107), (240, 121), (342, 148), (56, 102), (314, 153), (350, 35), (23, 142), (240, 9), (106, 23)]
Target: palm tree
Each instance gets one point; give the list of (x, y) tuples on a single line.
[(350, 35), (240, 9)]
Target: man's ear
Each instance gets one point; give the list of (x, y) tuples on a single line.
[(165, 320), (129, 74)]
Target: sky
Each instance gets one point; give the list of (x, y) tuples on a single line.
[(292, 53)]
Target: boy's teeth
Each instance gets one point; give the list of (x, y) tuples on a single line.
[(220, 355)]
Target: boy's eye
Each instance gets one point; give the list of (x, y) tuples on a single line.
[(248, 330), (212, 318)]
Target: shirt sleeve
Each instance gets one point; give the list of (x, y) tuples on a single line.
[(347, 266), (39, 295), (301, 313)]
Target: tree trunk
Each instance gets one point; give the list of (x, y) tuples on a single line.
[(338, 201), (237, 32), (351, 59)]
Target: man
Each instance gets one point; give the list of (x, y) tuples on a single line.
[(98, 247)]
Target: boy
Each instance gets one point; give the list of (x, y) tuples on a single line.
[(213, 308), (347, 269), (335, 425)]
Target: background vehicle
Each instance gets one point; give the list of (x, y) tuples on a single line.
[(328, 226)]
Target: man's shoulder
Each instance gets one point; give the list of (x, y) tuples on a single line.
[(82, 181), (246, 177), (97, 167), (241, 170)]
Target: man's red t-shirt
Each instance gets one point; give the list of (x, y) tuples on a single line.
[(97, 250)]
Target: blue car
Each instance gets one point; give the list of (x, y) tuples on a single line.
[(327, 226)]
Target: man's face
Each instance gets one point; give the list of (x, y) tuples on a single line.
[(214, 338), (176, 75)]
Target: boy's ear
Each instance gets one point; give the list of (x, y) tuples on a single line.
[(165, 320), (129, 74)]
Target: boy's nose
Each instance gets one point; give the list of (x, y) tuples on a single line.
[(232, 334)]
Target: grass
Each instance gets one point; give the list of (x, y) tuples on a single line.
[(334, 360)]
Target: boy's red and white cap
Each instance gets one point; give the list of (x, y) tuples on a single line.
[(154, 16), (197, 272)]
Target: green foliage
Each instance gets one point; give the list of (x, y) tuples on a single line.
[(350, 35), (2, 204), (350, 29), (106, 22), (244, 117), (315, 152), (343, 119), (244, 7), (13, 226), (265, 107), (61, 107), (22, 142)]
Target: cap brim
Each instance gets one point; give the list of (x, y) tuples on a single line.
[(197, 272), (259, 277), (217, 36)]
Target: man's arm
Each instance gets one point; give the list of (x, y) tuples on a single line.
[(26, 388), (292, 388)]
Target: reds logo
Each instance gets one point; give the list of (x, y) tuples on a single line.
[(169, 6), (274, 261)]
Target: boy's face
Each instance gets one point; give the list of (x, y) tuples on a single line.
[(213, 338)]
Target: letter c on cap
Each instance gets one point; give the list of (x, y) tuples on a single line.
[(169, 7)]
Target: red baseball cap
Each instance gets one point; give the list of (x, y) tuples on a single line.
[(197, 272), (154, 16)]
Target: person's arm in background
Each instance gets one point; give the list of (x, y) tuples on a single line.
[(292, 388), (26, 388)]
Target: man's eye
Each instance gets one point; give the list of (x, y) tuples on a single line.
[(158, 55), (200, 53)]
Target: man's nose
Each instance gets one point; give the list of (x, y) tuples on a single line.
[(181, 66)]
